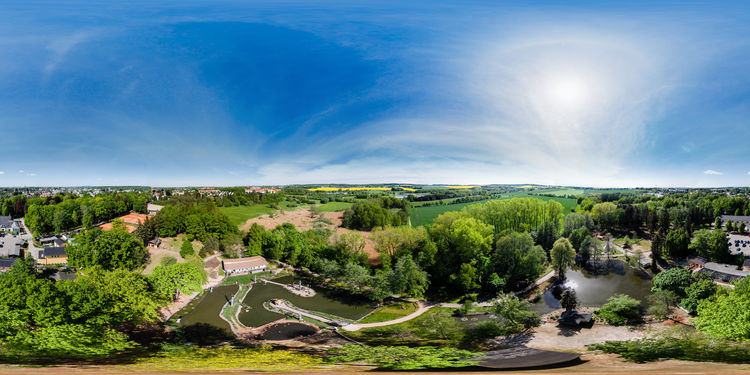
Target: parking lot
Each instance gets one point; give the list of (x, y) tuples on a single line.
[(739, 244)]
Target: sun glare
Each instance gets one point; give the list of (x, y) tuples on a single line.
[(567, 93)]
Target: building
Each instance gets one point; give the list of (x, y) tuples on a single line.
[(153, 209), (243, 266), (153, 244), (52, 241), (736, 220), (6, 263), (6, 222), (717, 271), (53, 255)]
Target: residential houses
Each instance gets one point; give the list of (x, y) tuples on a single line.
[(53, 255)]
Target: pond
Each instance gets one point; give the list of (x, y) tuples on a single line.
[(200, 319), (285, 331), (595, 284), (325, 301)]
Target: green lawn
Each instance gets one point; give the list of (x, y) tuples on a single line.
[(333, 206), (390, 312), (426, 329), (425, 215), (240, 214)]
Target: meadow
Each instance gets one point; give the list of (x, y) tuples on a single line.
[(240, 214)]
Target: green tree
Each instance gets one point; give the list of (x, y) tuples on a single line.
[(568, 300), (620, 309), (697, 292), (516, 313), (186, 249), (179, 278), (677, 243), (675, 280), (408, 279), (711, 244), (725, 315), (605, 214), (662, 302), (110, 250), (562, 256)]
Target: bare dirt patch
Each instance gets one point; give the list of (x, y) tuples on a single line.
[(305, 220)]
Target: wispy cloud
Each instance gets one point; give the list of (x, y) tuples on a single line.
[(2, 172), (712, 172), (62, 46), (31, 174), (21, 171)]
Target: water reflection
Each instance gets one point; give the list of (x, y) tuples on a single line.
[(596, 283)]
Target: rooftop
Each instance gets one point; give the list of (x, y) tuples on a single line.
[(53, 252), (240, 263)]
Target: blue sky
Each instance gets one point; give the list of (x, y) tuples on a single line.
[(283, 92)]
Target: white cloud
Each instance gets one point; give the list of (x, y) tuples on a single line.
[(712, 172), (2, 172), (21, 171), (31, 174)]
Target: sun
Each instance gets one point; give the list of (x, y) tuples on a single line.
[(567, 93)]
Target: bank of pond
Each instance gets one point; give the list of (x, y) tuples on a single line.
[(593, 284), (204, 310)]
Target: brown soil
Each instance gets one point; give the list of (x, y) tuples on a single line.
[(304, 220)]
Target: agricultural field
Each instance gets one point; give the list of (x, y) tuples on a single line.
[(562, 192), (333, 206), (424, 215), (240, 214)]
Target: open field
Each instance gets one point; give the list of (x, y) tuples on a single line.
[(390, 312), (424, 215), (333, 206), (240, 214)]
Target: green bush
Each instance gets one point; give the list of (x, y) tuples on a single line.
[(620, 309), (690, 347)]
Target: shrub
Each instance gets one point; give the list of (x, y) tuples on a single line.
[(620, 309), (186, 249)]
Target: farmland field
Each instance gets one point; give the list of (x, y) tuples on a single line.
[(333, 206), (240, 214), (424, 215)]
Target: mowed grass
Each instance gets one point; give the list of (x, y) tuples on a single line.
[(425, 215), (390, 312), (333, 206), (240, 214)]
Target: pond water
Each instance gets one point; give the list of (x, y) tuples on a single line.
[(595, 284), (325, 301), (200, 318), (285, 331)]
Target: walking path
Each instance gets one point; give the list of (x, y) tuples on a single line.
[(422, 307)]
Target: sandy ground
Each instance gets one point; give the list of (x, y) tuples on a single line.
[(304, 220), (550, 337)]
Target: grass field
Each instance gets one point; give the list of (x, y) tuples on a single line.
[(425, 215), (324, 188), (390, 312), (240, 214), (333, 206)]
